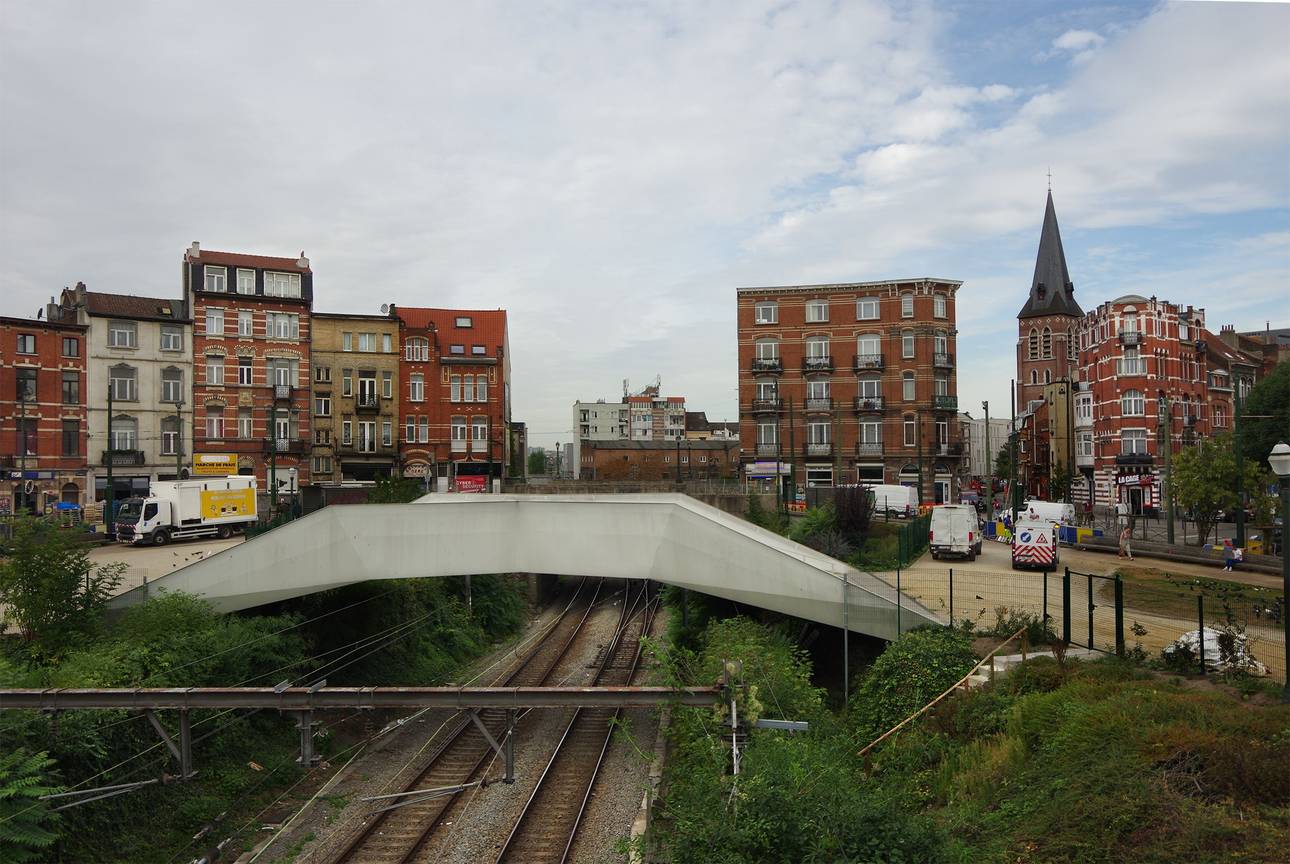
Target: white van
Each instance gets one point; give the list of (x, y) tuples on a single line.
[(894, 500), (954, 531), (1034, 544), (1051, 511)]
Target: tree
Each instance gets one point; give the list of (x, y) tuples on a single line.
[(537, 462), (54, 594), (1204, 481), (1269, 399), (854, 508), (1057, 484), (24, 834), (1003, 463), (395, 490)]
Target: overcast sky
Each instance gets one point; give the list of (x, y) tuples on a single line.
[(609, 173)]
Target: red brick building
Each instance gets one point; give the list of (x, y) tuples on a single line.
[(1046, 324), (659, 460), (455, 395), (1144, 366), (851, 382), (251, 322), (42, 415)]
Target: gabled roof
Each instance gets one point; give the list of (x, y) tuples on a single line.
[(101, 305), (239, 259), (1225, 354), (1051, 289), (487, 326)]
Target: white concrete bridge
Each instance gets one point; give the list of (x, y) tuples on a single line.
[(670, 538)]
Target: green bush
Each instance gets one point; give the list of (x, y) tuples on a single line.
[(913, 670)]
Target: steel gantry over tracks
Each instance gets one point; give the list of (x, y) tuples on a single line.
[(670, 538)]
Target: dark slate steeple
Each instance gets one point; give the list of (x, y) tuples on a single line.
[(1051, 291)]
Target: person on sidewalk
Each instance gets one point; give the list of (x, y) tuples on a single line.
[(1231, 555), (1126, 543)]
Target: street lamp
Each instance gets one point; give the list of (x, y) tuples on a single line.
[(1279, 459)]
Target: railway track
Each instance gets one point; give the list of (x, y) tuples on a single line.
[(399, 834), (546, 828)]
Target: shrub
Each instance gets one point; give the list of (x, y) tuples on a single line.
[(24, 818), (913, 670), (1037, 675), (1008, 621)]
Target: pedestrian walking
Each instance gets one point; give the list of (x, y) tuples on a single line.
[(1126, 543)]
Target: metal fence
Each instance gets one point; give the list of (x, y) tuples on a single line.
[(1109, 614)]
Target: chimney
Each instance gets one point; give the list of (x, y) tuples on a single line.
[(80, 293), (195, 250), (303, 262)]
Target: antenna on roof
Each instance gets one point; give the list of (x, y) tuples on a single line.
[(1050, 178)]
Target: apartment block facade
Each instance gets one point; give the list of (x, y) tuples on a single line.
[(454, 394), (355, 363), (851, 382), (139, 349), (42, 415), (251, 357), (643, 416)]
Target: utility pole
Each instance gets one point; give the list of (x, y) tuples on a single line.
[(179, 439), (1012, 456), (1167, 424), (918, 436), (792, 446), (490, 474), (1070, 441), (273, 452), (1240, 486), (22, 453), (109, 515), (678, 462), (989, 463)]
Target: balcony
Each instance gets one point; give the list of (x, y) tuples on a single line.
[(953, 448), (945, 403), (767, 449), (869, 448), (817, 364), (282, 392), (459, 445), (1130, 338), (1134, 459), (368, 403), (945, 361), (869, 403), (294, 446), (868, 362), (819, 406), (1083, 461), (123, 457), (767, 406), (825, 449), (767, 364)]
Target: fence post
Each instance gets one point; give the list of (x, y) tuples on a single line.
[(1200, 615), (1066, 606), (897, 602), (1119, 615), (951, 598), (1045, 575), (1090, 611)]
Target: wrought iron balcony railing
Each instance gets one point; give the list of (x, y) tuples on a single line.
[(818, 405), (869, 403), (945, 403), (866, 362), (817, 364), (767, 364)]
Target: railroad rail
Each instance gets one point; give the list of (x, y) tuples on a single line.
[(398, 834), (546, 828)]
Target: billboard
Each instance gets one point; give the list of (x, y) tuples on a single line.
[(220, 503), (471, 483), (214, 464)]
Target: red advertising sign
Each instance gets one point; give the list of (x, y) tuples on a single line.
[(471, 483)]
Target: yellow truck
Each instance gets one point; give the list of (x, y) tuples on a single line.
[(184, 509)]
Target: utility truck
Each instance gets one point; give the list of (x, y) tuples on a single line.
[(954, 531), (183, 509)]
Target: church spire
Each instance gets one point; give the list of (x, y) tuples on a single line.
[(1051, 289)]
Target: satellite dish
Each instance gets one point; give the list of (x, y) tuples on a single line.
[(385, 308)]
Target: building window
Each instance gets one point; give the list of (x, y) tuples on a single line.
[(456, 349), (454, 388), (817, 347), (367, 436), (245, 423), (72, 346), (214, 422), (767, 349), (870, 432), (322, 436), (481, 388), (322, 406), (387, 385), (458, 428), (347, 432), (423, 429), (322, 374), (1220, 416), (1072, 349), (1032, 349), (387, 433), (216, 278), (1133, 404), (867, 309), (367, 343), (938, 305), (479, 428), (1047, 344), (26, 440), (907, 344), (767, 433), (71, 388), (246, 323), (416, 349), (942, 433), (71, 437), (347, 382), (215, 369), (907, 384), (172, 338), (767, 388), (283, 372), (417, 387), (910, 433), (172, 385), (124, 382), (870, 388), (245, 281), (245, 370), (410, 430), (1034, 376), (1084, 444), (170, 436), (906, 305), (817, 311), (869, 345), (1132, 363), (281, 284), (125, 432), (942, 385), (1048, 376), (818, 433), (214, 322), (280, 325), (387, 344), (347, 341), (1133, 442), (122, 334), (817, 388)]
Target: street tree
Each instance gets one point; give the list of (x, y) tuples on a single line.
[(1268, 407), (1204, 481), (537, 462), (53, 593)]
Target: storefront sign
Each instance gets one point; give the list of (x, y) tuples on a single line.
[(471, 483), (767, 469), (416, 469), (214, 464)]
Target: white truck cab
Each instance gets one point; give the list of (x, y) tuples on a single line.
[(176, 510)]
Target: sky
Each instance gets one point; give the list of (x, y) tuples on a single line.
[(610, 172)]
